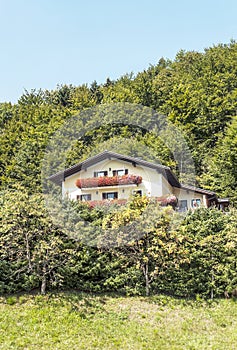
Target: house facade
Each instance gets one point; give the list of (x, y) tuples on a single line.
[(113, 176)]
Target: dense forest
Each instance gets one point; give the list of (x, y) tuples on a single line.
[(197, 91)]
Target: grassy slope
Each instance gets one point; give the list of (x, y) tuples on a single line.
[(78, 321)]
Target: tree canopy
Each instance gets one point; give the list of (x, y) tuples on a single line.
[(197, 92)]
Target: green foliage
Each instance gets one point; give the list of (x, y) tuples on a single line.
[(197, 91), (221, 169), (150, 255), (210, 241), (32, 248)]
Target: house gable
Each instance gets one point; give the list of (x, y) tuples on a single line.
[(151, 180), (157, 180), (108, 155)]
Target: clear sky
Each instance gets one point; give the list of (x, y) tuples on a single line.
[(49, 42)]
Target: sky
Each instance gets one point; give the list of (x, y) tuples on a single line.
[(45, 43)]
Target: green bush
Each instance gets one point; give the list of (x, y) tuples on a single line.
[(198, 258)]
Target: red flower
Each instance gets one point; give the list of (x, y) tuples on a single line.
[(103, 203), (108, 181), (167, 200)]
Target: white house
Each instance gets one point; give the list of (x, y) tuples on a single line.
[(110, 175)]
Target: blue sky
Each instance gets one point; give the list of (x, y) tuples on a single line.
[(50, 42)]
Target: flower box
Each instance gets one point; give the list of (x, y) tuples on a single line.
[(108, 181), (168, 200), (106, 203)]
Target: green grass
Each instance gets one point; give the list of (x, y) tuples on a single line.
[(80, 321)]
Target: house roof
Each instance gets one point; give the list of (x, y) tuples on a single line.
[(197, 189), (60, 176)]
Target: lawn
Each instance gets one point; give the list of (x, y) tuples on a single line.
[(82, 321)]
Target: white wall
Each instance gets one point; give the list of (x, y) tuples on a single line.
[(166, 187), (188, 195), (151, 181)]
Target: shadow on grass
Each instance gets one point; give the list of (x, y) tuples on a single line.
[(88, 304)]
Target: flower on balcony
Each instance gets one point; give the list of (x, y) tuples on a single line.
[(168, 200), (108, 181), (106, 203)]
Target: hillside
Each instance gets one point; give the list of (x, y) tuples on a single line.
[(197, 91)]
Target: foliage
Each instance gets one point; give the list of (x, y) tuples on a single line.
[(151, 254), (153, 248), (220, 172), (197, 91), (210, 241), (32, 248)]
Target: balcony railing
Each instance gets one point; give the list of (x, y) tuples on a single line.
[(108, 181)]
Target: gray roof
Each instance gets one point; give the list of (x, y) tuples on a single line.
[(197, 189)]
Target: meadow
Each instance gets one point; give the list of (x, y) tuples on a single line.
[(70, 320)]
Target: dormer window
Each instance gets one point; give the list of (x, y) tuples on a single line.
[(120, 172)]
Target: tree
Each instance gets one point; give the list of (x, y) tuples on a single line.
[(210, 242), (144, 238), (33, 97), (33, 251), (220, 171), (96, 92)]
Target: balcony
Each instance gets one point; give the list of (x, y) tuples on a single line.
[(104, 181)]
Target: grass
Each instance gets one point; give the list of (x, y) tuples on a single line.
[(79, 321)]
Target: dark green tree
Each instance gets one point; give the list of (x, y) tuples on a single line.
[(220, 172)]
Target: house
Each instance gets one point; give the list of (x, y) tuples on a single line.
[(110, 176)]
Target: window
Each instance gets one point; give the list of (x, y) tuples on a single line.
[(196, 203), (137, 193), (110, 195), (84, 197), (100, 173), (120, 172), (183, 205)]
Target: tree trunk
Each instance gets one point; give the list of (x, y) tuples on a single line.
[(28, 251), (212, 290), (43, 283), (147, 280)]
